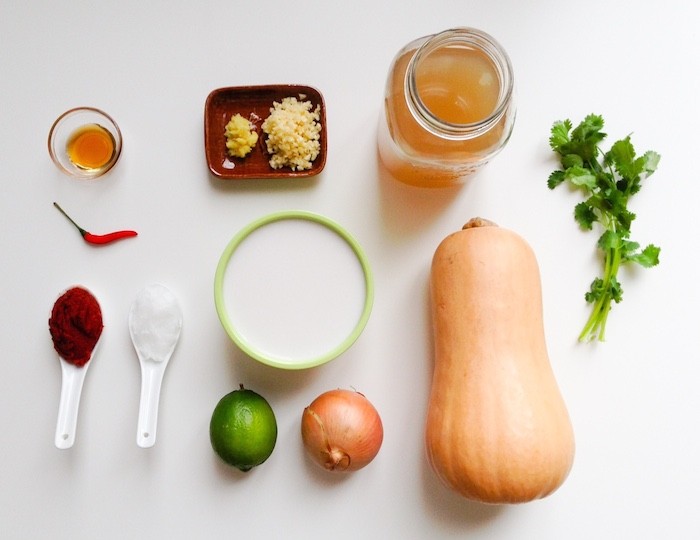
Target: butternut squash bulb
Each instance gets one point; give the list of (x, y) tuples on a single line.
[(497, 428)]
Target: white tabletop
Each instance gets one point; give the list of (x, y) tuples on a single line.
[(633, 400)]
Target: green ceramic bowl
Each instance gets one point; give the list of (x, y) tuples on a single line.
[(293, 290)]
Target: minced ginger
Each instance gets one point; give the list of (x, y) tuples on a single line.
[(241, 136), (293, 133)]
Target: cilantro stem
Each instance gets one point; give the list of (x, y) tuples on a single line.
[(609, 296), (601, 308), (587, 331)]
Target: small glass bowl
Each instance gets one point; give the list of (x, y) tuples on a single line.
[(66, 126)]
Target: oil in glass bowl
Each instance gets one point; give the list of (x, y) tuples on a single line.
[(90, 147), (85, 142)]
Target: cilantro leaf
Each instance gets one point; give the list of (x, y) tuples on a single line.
[(585, 138), (556, 178), (651, 161), (559, 134), (572, 160), (596, 291), (647, 258), (615, 290), (585, 215), (581, 176), (629, 248), (609, 240), (622, 157), (590, 129)]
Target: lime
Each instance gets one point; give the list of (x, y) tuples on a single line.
[(243, 429)]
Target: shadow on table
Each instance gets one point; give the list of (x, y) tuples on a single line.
[(451, 509), (406, 209)]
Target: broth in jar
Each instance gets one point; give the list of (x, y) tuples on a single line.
[(448, 108)]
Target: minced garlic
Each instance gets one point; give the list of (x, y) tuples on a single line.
[(293, 133), (240, 136)]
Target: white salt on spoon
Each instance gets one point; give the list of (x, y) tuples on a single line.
[(155, 321)]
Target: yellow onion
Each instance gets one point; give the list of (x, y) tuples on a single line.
[(341, 430)]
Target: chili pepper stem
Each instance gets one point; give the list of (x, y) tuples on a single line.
[(83, 232)]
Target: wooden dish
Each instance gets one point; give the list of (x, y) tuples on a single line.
[(254, 103)]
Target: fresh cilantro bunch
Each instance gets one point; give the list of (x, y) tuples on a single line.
[(608, 181)]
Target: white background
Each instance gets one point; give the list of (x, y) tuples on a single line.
[(633, 400)]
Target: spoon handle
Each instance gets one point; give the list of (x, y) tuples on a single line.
[(72, 378), (151, 380)]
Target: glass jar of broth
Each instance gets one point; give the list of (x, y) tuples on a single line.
[(448, 108)]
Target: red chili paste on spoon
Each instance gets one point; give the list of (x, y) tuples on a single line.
[(75, 325)]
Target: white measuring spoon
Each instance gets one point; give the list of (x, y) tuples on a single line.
[(72, 378), (67, 329), (155, 321)]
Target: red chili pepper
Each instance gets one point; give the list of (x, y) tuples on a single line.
[(97, 239)]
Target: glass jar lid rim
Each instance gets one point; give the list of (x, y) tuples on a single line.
[(453, 36)]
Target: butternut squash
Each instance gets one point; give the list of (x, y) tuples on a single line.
[(497, 428)]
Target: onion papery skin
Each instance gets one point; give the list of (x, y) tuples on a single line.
[(341, 431)]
